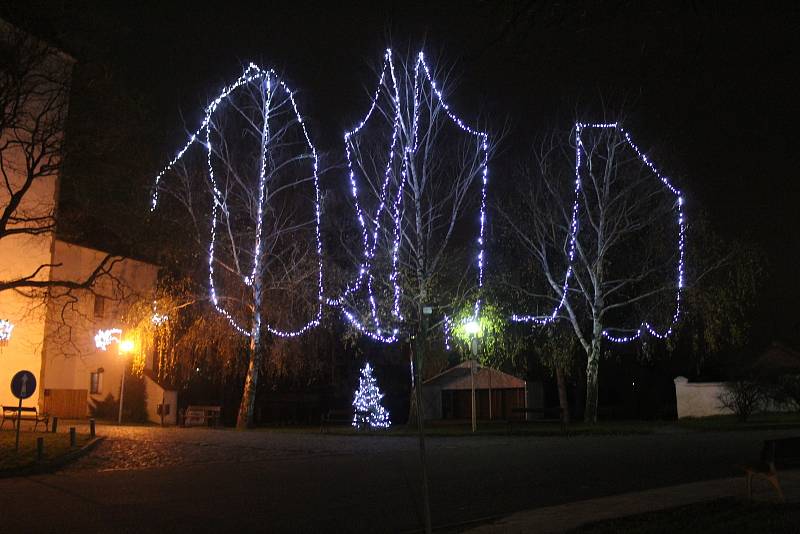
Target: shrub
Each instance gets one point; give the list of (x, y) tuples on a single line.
[(742, 397)]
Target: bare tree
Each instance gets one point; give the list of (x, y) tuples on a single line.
[(34, 94), (252, 206), (621, 264)]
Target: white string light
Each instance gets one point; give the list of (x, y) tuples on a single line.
[(367, 407), (104, 338), (253, 73), (370, 239), (644, 326), (5, 330)]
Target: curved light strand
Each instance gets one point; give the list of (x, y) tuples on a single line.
[(644, 325), (252, 73)]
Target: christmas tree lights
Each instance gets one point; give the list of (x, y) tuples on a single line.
[(367, 408), (644, 326)]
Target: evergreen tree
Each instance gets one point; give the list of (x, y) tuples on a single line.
[(367, 403)]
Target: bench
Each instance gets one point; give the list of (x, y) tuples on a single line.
[(202, 415), (774, 452), (24, 414), (335, 417), (539, 411)]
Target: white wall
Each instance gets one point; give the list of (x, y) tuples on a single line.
[(70, 355), (698, 399), (157, 395)]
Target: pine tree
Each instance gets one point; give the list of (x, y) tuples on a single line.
[(367, 403)]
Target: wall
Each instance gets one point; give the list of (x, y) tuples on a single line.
[(157, 395), (70, 354), (699, 399), (23, 255)]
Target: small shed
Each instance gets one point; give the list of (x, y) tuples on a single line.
[(448, 395)]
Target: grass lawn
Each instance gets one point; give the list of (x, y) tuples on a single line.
[(55, 445), (720, 516)]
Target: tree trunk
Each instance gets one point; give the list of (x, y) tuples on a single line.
[(247, 406), (563, 402), (420, 344), (592, 367)]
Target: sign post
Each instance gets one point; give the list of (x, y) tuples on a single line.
[(22, 386)]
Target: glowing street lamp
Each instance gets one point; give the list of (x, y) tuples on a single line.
[(125, 346), (473, 328)]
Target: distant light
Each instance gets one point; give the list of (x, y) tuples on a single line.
[(125, 346), (472, 327)]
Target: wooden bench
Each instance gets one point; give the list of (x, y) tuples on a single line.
[(202, 415), (24, 414), (538, 411), (775, 452), (335, 417)]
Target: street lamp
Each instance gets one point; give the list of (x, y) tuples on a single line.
[(125, 346), (473, 328)]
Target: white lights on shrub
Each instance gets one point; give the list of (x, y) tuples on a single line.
[(104, 338)]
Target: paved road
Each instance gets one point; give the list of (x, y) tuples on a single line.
[(199, 480)]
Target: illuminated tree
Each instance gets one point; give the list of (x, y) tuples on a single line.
[(252, 200), (367, 407), (599, 232)]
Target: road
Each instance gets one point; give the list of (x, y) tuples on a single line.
[(201, 480)]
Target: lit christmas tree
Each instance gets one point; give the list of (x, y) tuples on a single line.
[(367, 403)]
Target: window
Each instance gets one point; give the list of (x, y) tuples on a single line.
[(96, 382), (99, 305)]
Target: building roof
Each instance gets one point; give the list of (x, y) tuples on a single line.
[(458, 377)]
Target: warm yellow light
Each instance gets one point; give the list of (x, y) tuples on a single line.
[(125, 346)]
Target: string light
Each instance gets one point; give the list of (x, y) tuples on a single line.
[(5, 330), (368, 410), (644, 326), (364, 279), (104, 338), (253, 73), (157, 318)]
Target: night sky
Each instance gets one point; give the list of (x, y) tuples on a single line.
[(709, 88)]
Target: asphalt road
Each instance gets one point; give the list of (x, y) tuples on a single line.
[(175, 480)]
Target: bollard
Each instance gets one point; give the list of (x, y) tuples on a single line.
[(72, 441), (91, 428), (55, 425), (39, 449)]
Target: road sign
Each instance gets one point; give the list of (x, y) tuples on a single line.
[(23, 384)]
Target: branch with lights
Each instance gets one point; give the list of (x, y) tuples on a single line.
[(268, 81), (644, 326), (392, 204)]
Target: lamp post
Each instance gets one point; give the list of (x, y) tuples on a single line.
[(473, 328), (124, 347)]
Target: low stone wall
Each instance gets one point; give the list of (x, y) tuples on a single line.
[(699, 399)]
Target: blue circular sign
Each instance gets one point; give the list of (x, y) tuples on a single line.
[(23, 384)]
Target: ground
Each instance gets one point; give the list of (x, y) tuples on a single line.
[(149, 479)]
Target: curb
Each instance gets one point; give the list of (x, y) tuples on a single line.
[(52, 465)]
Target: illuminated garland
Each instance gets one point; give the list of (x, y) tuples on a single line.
[(253, 73), (5, 330), (370, 239), (104, 338), (644, 326)]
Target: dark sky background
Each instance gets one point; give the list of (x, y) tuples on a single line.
[(710, 88)]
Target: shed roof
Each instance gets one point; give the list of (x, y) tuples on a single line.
[(458, 377)]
